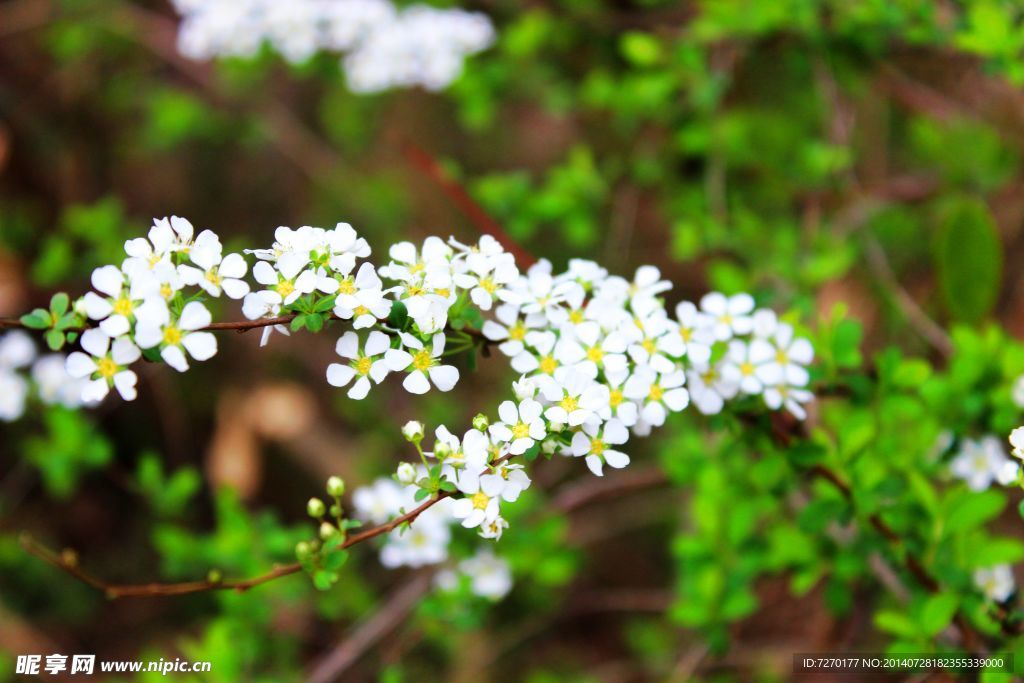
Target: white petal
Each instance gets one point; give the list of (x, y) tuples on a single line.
[(96, 307), (339, 375), (125, 382), (194, 316), (115, 326), (616, 459), (359, 389), (124, 352), (416, 383), (108, 279), (233, 266), (595, 465), (200, 345), (377, 343), (236, 289), (95, 342), (79, 364), (444, 377), (175, 357), (348, 345)]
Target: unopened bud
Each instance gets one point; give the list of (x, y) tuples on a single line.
[(302, 550), (315, 508), (413, 431), (481, 422), (406, 473), (442, 451), (335, 487), (327, 530)]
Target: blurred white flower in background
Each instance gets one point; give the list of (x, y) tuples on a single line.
[(386, 47)]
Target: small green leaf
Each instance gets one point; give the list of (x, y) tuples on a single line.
[(399, 316), (59, 303), (55, 340), (324, 579), (324, 305), (421, 494), (335, 559), (298, 322), (38, 319), (971, 510), (314, 322), (969, 259), (937, 612)]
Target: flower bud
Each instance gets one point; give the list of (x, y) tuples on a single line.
[(315, 508), (480, 422), (406, 473), (549, 446), (413, 431), (302, 550), (327, 530), (525, 388), (335, 487), (442, 451)]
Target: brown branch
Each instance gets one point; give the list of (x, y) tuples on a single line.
[(425, 163), (67, 561)]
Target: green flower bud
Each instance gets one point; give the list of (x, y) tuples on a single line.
[(406, 473), (481, 422), (315, 507), (413, 431), (335, 487), (327, 530)]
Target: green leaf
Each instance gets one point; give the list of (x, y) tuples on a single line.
[(59, 303), (335, 559), (937, 612), (399, 316), (896, 623), (324, 305), (971, 510), (298, 322), (55, 340), (421, 494), (314, 322), (969, 257), (39, 319), (324, 579)]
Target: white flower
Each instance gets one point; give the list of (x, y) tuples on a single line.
[(996, 583), (790, 398), (979, 462), (13, 394), (594, 442), (488, 277), (264, 304), (781, 360), (361, 365), (423, 543), (657, 393), (421, 364), (53, 383), (549, 353), (525, 387), (490, 576), (740, 364), (510, 329), (494, 529), (538, 293), (520, 426), (654, 338), (117, 310), (379, 502), (1008, 473), (625, 410), (647, 284), (290, 280), (406, 473), (731, 315), (600, 352), (481, 502), (362, 298), (586, 273), (696, 330), (174, 337), (16, 350), (709, 389), (1017, 441), (575, 397), (105, 365), (171, 234), (216, 272), (409, 265)]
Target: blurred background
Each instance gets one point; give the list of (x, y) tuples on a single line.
[(842, 160)]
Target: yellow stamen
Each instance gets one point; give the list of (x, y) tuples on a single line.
[(213, 278), (517, 332), (480, 500), (596, 354), (422, 360), (649, 346), (106, 367), (284, 288), (656, 393), (576, 317), (124, 306), (363, 365), (569, 404), (172, 336), (746, 368), (781, 357), (166, 291), (487, 284), (346, 286), (596, 446), (615, 398), (360, 310), (521, 431), (548, 365)]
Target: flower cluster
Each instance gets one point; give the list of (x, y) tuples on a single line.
[(46, 379), (151, 304), (386, 47)]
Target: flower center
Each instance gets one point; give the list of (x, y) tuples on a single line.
[(780, 357), (124, 306), (285, 287), (106, 367), (443, 292), (595, 353), (746, 368), (363, 365), (548, 365), (416, 267), (596, 446), (487, 284), (166, 291), (649, 346), (569, 404), (725, 319), (422, 360), (346, 286), (656, 393), (576, 317), (521, 431), (414, 290), (480, 500), (686, 334), (517, 332), (172, 335), (360, 310), (213, 278), (615, 398)]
